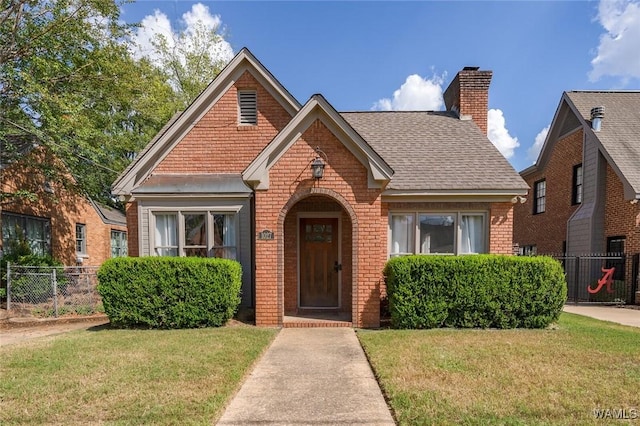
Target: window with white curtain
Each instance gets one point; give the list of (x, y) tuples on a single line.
[(472, 233), (202, 234), (437, 233), (195, 234), (166, 234), (118, 243), (402, 229), (224, 236)]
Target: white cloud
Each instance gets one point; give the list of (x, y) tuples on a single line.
[(425, 94), (416, 94), (499, 135), (159, 24), (150, 27), (617, 53), (200, 12), (534, 150)]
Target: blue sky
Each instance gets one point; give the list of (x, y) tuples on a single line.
[(359, 54)]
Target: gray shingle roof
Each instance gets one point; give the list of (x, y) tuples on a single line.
[(109, 215), (432, 151), (620, 132)]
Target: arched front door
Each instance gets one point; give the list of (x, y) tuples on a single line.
[(319, 262)]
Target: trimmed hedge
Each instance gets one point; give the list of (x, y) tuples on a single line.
[(474, 291), (169, 292)]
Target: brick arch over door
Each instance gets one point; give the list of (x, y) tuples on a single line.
[(295, 198)]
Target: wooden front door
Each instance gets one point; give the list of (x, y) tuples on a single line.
[(319, 263)]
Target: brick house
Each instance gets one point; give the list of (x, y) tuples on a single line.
[(73, 229), (313, 202), (585, 184)]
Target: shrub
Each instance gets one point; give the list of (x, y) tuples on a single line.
[(169, 292), (474, 291)]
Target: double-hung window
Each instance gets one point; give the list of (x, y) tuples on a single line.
[(81, 239), (576, 197), (437, 233), (197, 233), (540, 196), (118, 243)]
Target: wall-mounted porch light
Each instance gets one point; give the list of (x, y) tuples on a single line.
[(317, 165)]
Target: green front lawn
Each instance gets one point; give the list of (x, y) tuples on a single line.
[(554, 376), (127, 376)]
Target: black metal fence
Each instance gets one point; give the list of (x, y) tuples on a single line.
[(609, 278)]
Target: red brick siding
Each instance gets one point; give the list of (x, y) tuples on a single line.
[(65, 209), (469, 94), (346, 176), (132, 226), (548, 230), (621, 217), (217, 144), (501, 228)]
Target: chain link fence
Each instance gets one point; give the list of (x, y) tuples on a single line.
[(52, 291)]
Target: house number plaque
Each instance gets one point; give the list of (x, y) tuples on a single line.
[(265, 235)]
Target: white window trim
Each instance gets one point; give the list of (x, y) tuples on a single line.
[(83, 253), (537, 196), (210, 212), (458, 231)]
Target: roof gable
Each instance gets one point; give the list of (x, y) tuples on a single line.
[(181, 124), (317, 108), (618, 139), (564, 122)]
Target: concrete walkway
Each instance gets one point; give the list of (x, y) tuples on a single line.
[(310, 376), (623, 316)]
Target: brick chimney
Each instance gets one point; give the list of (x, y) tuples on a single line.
[(468, 95)]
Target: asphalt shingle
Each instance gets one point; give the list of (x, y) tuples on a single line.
[(433, 151), (620, 132)]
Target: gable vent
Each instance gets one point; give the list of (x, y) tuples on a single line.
[(248, 100)]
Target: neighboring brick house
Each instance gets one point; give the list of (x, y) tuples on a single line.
[(233, 176), (61, 223), (585, 184)]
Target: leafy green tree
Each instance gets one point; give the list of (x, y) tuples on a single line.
[(69, 83), (191, 58)]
